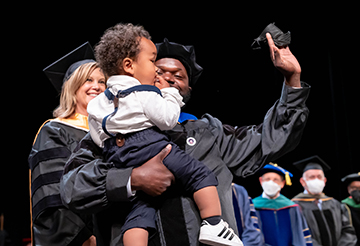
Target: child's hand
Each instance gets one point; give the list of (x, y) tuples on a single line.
[(161, 83)]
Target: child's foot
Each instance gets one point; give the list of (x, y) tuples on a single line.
[(218, 235)]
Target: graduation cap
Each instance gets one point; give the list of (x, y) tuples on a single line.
[(313, 162), (59, 71), (280, 39), (275, 168), (185, 54), (350, 178)]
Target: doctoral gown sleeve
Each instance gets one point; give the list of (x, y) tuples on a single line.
[(300, 230), (348, 236), (246, 217), (53, 224), (87, 176), (246, 149)]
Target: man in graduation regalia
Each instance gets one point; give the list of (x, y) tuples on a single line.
[(91, 185), (352, 203), (329, 225), (280, 219)]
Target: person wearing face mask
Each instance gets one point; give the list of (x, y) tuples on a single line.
[(352, 203), (328, 222), (280, 219)]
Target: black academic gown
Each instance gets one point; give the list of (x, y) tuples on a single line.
[(352, 208), (92, 185), (329, 226), (53, 224)]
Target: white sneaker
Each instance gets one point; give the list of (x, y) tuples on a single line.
[(218, 235)]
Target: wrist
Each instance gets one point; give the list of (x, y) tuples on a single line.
[(134, 177), (293, 80)]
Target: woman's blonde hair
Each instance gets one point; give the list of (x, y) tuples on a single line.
[(71, 86)]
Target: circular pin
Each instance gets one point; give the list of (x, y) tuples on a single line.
[(191, 141)]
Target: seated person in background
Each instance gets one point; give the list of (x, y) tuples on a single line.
[(328, 223), (351, 204), (280, 219)]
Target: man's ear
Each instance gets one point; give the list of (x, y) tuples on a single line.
[(282, 184), (302, 182), (128, 66)]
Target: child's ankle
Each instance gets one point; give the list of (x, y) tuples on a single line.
[(213, 220)]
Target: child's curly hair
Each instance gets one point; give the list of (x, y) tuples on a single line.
[(118, 43)]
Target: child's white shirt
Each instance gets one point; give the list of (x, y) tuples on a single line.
[(137, 111)]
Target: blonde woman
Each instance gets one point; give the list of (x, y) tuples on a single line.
[(53, 224)]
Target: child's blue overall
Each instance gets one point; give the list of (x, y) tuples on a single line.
[(141, 146)]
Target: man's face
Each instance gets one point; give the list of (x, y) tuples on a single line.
[(311, 175), (276, 178), (314, 174), (174, 72), (355, 185)]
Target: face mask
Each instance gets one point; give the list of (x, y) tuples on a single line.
[(315, 186), (356, 196), (270, 188)]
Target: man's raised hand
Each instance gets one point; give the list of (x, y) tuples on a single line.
[(285, 62)]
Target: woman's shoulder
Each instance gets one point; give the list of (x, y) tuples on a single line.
[(43, 128), (54, 130)]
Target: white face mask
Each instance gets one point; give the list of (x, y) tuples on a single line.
[(315, 186), (270, 188)]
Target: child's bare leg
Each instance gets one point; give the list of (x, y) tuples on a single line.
[(213, 230), (207, 200), (136, 237)]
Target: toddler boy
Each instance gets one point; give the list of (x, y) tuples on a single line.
[(127, 120)]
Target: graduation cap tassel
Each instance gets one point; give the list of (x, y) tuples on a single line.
[(287, 179)]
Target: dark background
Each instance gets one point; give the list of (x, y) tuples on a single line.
[(238, 85)]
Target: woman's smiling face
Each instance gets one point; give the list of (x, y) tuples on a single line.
[(93, 86)]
